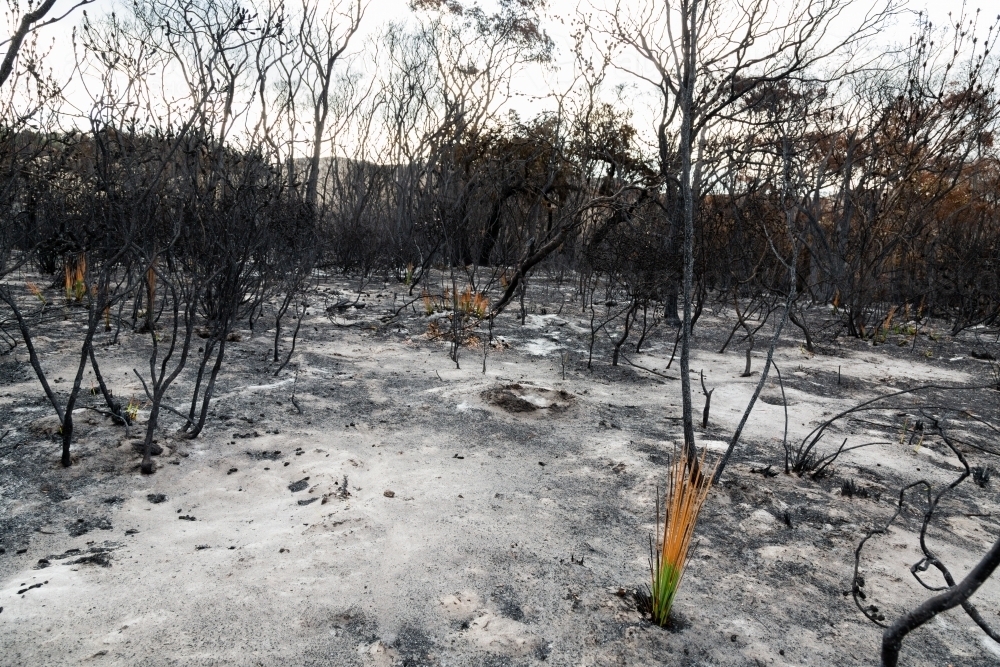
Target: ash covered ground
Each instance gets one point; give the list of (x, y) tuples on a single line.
[(374, 505)]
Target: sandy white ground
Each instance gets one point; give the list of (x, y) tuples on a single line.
[(507, 536)]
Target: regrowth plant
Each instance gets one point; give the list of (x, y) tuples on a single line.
[(688, 487), (473, 303), (132, 410), (37, 292), (75, 270), (431, 304)]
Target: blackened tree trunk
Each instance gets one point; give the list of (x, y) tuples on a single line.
[(689, 47)]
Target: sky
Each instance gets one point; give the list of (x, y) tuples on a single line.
[(534, 83), (561, 12)]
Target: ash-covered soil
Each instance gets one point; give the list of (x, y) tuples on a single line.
[(374, 505)]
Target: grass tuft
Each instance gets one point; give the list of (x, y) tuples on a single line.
[(688, 487), (37, 292), (132, 410)]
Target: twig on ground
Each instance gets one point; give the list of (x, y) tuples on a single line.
[(295, 338), (648, 370), (674, 352), (106, 413), (784, 403), (295, 383)]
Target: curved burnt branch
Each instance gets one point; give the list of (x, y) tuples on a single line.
[(858, 581), (953, 593), (892, 638)]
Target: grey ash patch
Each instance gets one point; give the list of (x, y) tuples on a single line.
[(494, 660), (360, 627), (506, 399), (300, 485), (12, 372), (84, 526), (507, 602), (416, 648), (657, 455), (734, 573), (264, 455), (56, 494), (101, 558), (518, 398)]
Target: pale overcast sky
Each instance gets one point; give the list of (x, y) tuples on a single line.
[(381, 11), (561, 13)]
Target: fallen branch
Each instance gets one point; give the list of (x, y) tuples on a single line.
[(642, 368), (294, 385), (295, 338), (784, 404), (114, 417), (673, 354)]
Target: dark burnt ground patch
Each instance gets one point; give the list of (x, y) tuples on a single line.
[(12, 372), (416, 647), (38, 497)]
